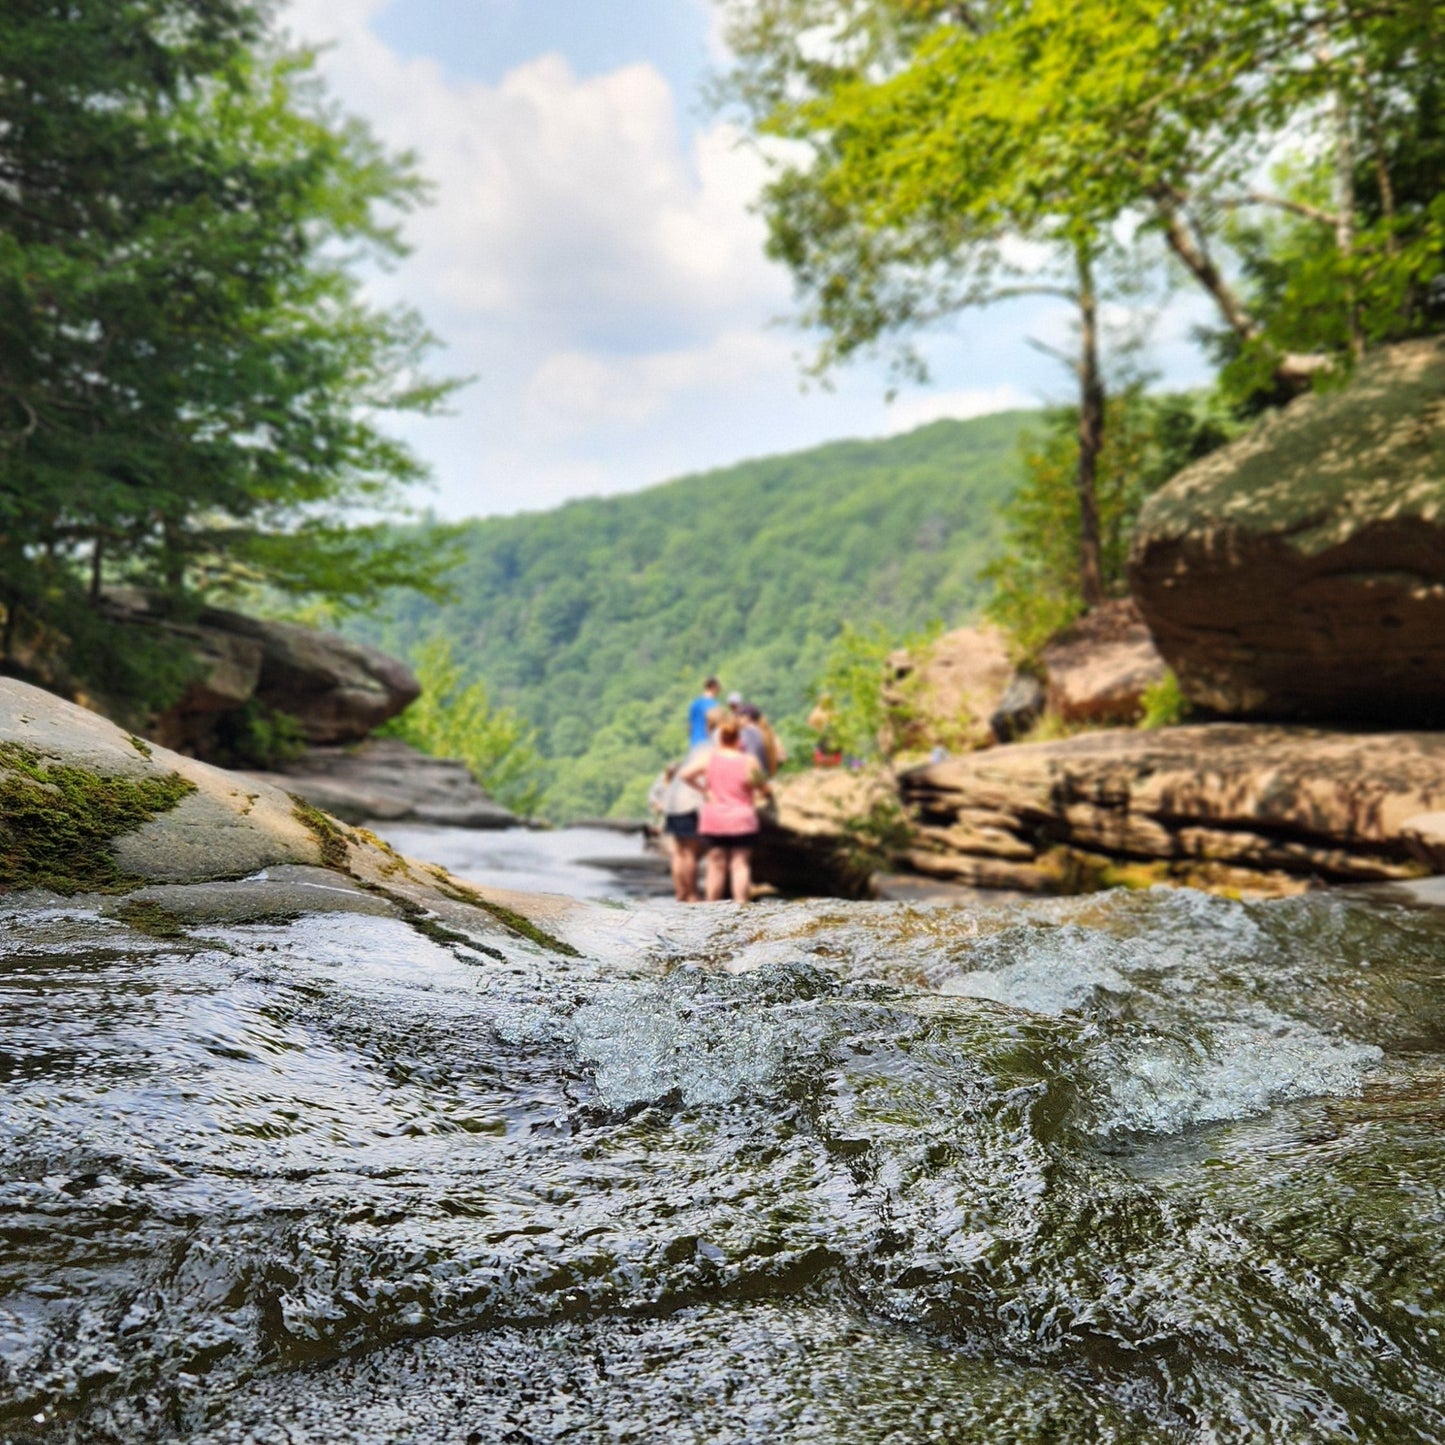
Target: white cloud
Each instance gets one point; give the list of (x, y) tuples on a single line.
[(918, 410), (592, 259), (572, 202), (574, 392)]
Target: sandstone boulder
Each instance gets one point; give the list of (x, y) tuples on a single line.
[(1018, 709), (1100, 668), (148, 835), (1300, 571), (1238, 806), (337, 689), (946, 696)]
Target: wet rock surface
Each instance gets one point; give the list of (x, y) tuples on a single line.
[(1135, 1170), (1300, 571), (231, 846), (1230, 805), (387, 780)]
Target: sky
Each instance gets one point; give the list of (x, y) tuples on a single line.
[(591, 257)]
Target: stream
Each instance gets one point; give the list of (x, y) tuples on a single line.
[(1133, 1167)]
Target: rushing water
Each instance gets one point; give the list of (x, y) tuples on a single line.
[(1131, 1168)]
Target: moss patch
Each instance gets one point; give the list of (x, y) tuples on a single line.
[(334, 852), (57, 821), (508, 917), (150, 918)]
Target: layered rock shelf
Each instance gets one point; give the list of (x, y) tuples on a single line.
[(1253, 808)]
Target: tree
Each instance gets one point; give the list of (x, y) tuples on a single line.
[(457, 719), (1035, 579), (921, 137), (934, 141), (189, 377)]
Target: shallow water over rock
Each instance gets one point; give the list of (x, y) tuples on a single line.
[(1134, 1167)]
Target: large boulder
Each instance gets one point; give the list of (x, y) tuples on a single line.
[(337, 689), (1100, 668), (1239, 806), (944, 695), (1300, 571), (829, 831)]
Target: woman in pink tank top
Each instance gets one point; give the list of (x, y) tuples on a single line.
[(732, 782)]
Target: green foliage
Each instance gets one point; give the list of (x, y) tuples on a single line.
[(598, 621), (1164, 703), (851, 685), (457, 719), (189, 374), (865, 713), (256, 736), (57, 821), (924, 135), (1146, 441)]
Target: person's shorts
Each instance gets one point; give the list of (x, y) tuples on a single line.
[(731, 840), (681, 825)]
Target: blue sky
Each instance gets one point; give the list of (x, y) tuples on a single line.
[(592, 260), (483, 39)]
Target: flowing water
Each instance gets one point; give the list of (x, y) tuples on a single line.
[(1146, 1167)]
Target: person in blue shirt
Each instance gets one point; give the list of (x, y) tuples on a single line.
[(698, 711)]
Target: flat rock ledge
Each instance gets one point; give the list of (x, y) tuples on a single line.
[(387, 780), (143, 833), (1234, 807)]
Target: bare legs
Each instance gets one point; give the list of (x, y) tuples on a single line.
[(684, 869), (726, 865)]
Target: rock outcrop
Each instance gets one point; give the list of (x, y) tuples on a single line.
[(829, 832), (387, 780), (1235, 806), (337, 690), (1300, 571), (1100, 667), (153, 838), (1018, 709), (946, 696)]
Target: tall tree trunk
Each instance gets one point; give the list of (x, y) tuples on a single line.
[(1345, 211), (97, 562), (1091, 432)]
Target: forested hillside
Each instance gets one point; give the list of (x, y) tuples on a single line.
[(599, 620)]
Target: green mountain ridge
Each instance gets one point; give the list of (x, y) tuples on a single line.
[(597, 621)]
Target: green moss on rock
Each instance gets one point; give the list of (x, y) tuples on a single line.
[(1316, 472), (334, 851), (150, 918), (57, 821), (507, 917)]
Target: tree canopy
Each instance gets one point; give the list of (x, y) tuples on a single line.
[(190, 378), (935, 155)]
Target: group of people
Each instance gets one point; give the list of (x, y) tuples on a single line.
[(709, 801)]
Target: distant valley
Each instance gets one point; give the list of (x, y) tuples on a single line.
[(597, 621)]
